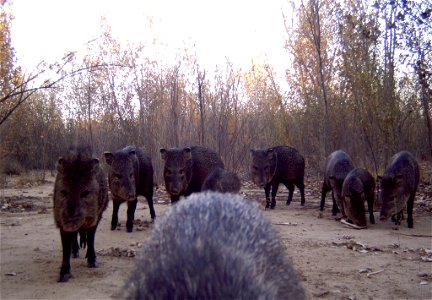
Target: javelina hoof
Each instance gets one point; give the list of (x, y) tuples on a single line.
[(64, 277), (75, 255), (92, 264), (288, 202), (114, 226)]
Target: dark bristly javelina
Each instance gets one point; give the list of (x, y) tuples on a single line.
[(130, 174), (338, 165), (186, 169), (80, 197), (358, 187), (398, 187), (281, 164), (223, 181), (210, 251)]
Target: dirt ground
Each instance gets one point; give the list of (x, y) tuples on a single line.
[(333, 261)]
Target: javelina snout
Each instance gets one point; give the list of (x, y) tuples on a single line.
[(205, 247)]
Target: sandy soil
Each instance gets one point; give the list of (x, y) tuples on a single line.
[(333, 261)]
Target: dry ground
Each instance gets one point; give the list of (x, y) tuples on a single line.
[(333, 261)]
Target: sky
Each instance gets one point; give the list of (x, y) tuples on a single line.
[(240, 30)]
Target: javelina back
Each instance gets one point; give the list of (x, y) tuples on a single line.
[(186, 169), (399, 186), (223, 181), (80, 197), (206, 247), (281, 164), (130, 174), (358, 187), (338, 165)]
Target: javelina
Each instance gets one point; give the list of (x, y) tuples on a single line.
[(358, 187), (281, 164), (220, 180), (186, 169), (80, 197), (130, 174), (338, 165), (398, 187), (213, 246)]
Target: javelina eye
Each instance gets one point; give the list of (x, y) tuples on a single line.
[(84, 194), (117, 176), (63, 193)]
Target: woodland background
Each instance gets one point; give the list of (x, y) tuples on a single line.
[(358, 78)]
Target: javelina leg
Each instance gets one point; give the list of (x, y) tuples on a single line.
[(83, 239), (275, 187), (67, 238), (290, 188), (151, 207), (131, 214), (370, 203), (335, 208), (75, 247), (267, 189), (91, 254), (324, 191), (301, 187), (410, 204), (114, 220)]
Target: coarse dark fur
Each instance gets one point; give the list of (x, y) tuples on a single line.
[(359, 187), (272, 166), (398, 187), (223, 181), (80, 197), (338, 165), (186, 169), (130, 174), (213, 246)]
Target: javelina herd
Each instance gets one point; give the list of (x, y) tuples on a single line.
[(209, 239), (212, 253)]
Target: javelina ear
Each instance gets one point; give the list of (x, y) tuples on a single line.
[(132, 154), (60, 166), (94, 163), (163, 153), (109, 158), (187, 153), (270, 154)]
